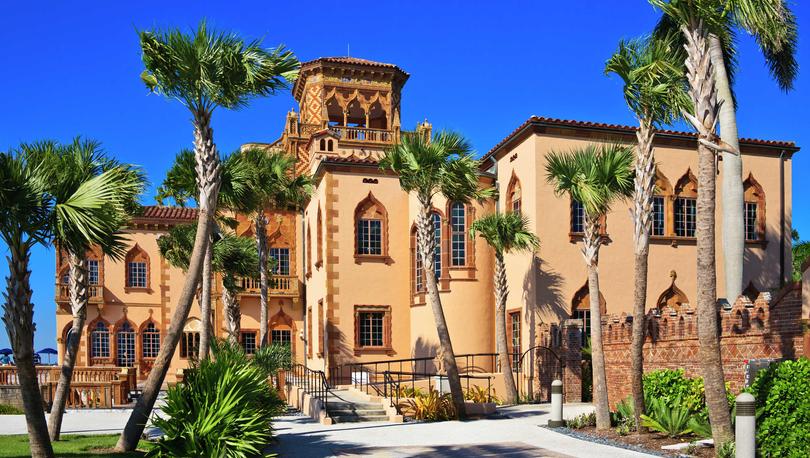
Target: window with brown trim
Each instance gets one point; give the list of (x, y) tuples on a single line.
[(372, 326), (458, 234), (577, 217), (189, 344), (321, 329), (150, 341), (100, 341), (125, 345), (309, 250), (513, 347), (137, 268), (514, 195), (754, 216), (310, 338), (371, 228), (685, 206), (248, 340), (319, 230)]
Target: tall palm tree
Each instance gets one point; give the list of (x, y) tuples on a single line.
[(505, 233), (275, 186), (203, 70), (180, 186), (24, 214), (596, 176), (427, 167), (93, 197), (773, 25), (654, 89), (697, 21)]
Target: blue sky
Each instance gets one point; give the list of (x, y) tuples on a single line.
[(71, 68)]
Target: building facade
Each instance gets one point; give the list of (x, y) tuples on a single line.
[(349, 287)]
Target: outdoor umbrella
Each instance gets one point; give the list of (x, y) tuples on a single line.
[(48, 351)]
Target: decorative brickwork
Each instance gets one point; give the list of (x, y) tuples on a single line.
[(768, 328)]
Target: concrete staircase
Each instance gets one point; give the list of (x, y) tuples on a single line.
[(347, 405)]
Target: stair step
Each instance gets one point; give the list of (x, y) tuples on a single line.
[(358, 418), (353, 405), (356, 412)]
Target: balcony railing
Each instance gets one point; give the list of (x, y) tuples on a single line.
[(361, 134), (95, 293), (284, 285)]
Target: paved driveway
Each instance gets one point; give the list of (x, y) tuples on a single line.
[(517, 434)]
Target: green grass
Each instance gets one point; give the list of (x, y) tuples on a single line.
[(6, 409), (71, 445)]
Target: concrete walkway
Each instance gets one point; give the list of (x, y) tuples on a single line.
[(85, 421), (517, 434)]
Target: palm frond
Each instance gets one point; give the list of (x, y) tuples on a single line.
[(506, 232)]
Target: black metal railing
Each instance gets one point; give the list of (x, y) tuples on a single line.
[(393, 382), (312, 382)]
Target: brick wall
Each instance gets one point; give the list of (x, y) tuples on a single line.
[(770, 327)]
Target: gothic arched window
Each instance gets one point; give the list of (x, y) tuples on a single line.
[(150, 340), (371, 228), (100, 341), (685, 205), (754, 216), (137, 268), (125, 345)]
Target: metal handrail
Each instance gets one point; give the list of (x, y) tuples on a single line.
[(392, 388), (312, 382)]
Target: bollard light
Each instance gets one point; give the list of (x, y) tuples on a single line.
[(556, 405), (746, 428)]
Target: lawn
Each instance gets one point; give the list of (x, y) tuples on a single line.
[(71, 445)]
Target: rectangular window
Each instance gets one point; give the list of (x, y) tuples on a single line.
[(658, 221), (280, 337), (92, 271), (125, 347), (137, 275), (150, 341), (419, 271), (514, 335), (516, 205), (369, 236), (249, 342), (189, 344), (458, 242), (685, 216), (577, 217), (371, 329), (437, 251), (100, 342), (281, 260), (585, 316), (751, 232)]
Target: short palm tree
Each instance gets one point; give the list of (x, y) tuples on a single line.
[(773, 25), (203, 70), (180, 186), (426, 167), (93, 197), (24, 215), (505, 233), (273, 185), (697, 21), (595, 176), (654, 89)]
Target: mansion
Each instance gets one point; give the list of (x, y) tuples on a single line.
[(347, 285)]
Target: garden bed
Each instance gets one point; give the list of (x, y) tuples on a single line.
[(646, 443)]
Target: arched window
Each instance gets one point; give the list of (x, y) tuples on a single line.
[(371, 231), (319, 230), (672, 298), (282, 328), (125, 345), (190, 341), (754, 218), (458, 234), (137, 268), (330, 145), (662, 199), (309, 250), (513, 195), (322, 144), (150, 341), (581, 309), (685, 205), (418, 267), (100, 341), (437, 252)]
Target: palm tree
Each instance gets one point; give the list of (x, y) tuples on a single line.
[(505, 233), (203, 70), (773, 25), (697, 21), (427, 167), (180, 186), (93, 198), (654, 83), (273, 185), (596, 176), (24, 213)]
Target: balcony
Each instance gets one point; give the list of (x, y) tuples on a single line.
[(280, 285), (361, 134), (95, 293)]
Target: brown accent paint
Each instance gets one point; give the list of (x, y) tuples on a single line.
[(387, 329)]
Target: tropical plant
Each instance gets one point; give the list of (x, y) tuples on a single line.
[(595, 176), (726, 450), (480, 395), (24, 214), (203, 70), (223, 408), (583, 420), (273, 185), (93, 197), (773, 25), (431, 407), (427, 167), (273, 357), (623, 418), (697, 21), (800, 252), (665, 419), (700, 426), (652, 72), (783, 408), (410, 392), (505, 233)]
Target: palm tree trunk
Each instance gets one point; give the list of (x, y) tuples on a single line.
[(642, 214), (19, 321), (704, 97), (261, 248), (233, 314), (208, 179), (732, 192), (501, 293), (205, 302), (591, 243), (78, 304), (426, 241)]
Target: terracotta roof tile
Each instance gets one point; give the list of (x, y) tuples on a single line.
[(168, 213), (622, 129), (352, 60)]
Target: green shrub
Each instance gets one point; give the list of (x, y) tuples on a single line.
[(6, 409), (623, 417), (672, 385), (273, 357), (670, 420), (432, 407), (726, 450), (582, 421), (700, 427), (782, 394), (223, 408)]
